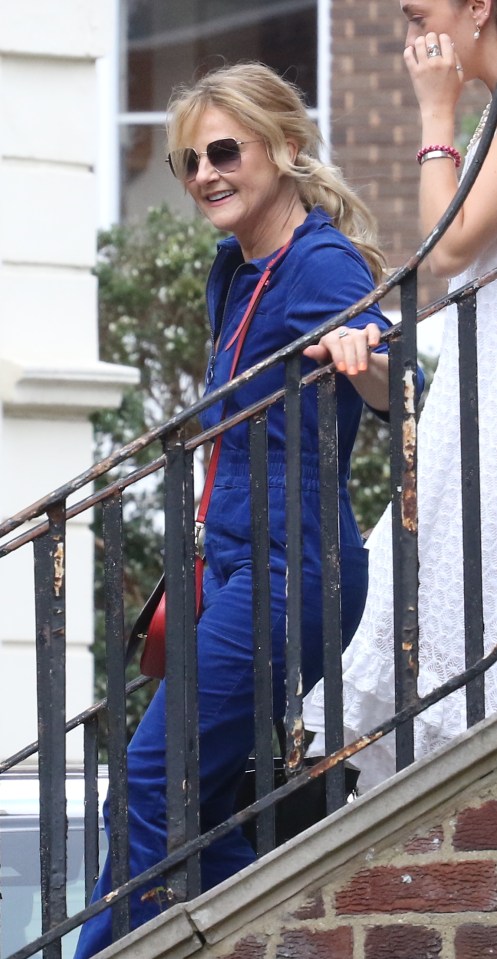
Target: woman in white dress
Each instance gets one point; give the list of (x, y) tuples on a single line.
[(448, 43)]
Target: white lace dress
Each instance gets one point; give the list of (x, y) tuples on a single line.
[(368, 661)]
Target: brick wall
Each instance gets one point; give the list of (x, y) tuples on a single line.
[(375, 122), (430, 892)]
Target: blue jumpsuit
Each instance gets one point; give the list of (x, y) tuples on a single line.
[(320, 274)]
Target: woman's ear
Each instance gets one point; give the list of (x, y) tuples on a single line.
[(481, 10), (293, 149)]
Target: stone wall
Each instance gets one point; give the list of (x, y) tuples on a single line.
[(406, 871), (429, 893)]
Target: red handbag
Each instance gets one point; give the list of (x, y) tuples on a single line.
[(153, 657), (150, 625)]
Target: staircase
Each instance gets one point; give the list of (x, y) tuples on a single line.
[(408, 871)]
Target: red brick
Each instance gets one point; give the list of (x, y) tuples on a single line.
[(312, 908), (251, 947), (430, 842), (308, 944), (476, 941), (402, 942), (434, 887), (476, 828)]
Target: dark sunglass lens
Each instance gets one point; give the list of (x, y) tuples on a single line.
[(190, 164), (184, 164), (224, 155)]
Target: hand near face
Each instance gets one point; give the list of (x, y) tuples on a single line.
[(434, 69)]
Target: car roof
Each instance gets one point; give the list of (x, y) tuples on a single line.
[(20, 791)]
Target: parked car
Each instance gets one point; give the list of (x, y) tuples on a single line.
[(20, 903)]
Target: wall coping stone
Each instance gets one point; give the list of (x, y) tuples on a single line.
[(315, 854), (34, 391)]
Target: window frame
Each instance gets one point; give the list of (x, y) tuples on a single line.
[(111, 120)]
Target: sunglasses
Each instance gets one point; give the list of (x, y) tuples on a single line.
[(224, 155)]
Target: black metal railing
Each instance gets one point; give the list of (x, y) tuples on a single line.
[(48, 519)]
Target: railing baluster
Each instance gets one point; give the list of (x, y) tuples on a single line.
[(116, 709), (471, 508), (181, 714), (50, 593), (263, 699), (330, 566), (403, 365), (90, 746), (294, 725), (192, 810)]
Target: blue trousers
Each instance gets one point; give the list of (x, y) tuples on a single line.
[(226, 727)]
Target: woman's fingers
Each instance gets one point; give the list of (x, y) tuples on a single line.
[(433, 54), (347, 348)]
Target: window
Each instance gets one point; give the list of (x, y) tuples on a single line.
[(167, 43)]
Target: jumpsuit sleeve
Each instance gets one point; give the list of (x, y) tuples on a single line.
[(331, 280)]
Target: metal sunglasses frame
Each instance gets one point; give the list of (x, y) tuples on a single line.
[(180, 159)]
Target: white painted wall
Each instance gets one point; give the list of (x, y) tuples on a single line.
[(50, 375)]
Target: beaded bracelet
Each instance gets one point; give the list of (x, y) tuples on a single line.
[(434, 155), (439, 151)]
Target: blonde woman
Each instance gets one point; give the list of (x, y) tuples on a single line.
[(244, 148)]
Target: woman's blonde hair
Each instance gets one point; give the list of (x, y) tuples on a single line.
[(275, 110)]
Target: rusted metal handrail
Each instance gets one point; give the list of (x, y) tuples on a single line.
[(48, 537), (193, 443), (293, 349)]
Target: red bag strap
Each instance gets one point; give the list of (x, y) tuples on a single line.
[(238, 338)]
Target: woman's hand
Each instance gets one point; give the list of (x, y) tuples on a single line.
[(436, 75), (349, 349), (434, 67)]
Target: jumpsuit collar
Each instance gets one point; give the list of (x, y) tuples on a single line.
[(229, 259)]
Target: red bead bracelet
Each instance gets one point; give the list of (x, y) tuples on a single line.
[(448, 151)]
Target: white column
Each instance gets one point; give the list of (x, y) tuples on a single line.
[(50, 375)]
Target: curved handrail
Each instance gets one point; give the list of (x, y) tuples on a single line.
[(176, 422)]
